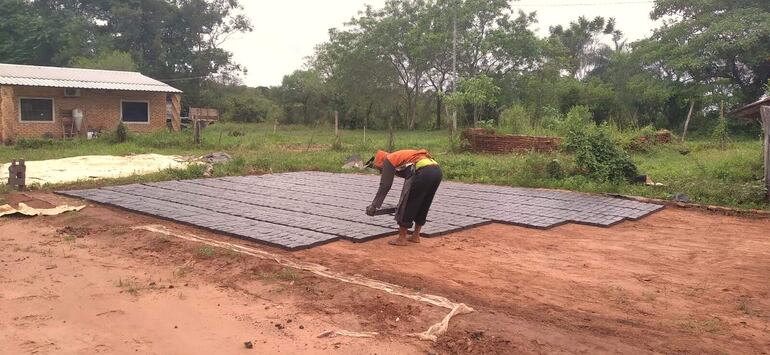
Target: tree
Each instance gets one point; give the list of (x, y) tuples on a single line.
[(249, 106), (356, 79), (303, 88), (492, 40), (582, 41), (478, 92), (396, 33), (112, 60), (715, 44), (177, 41), (42, 33)]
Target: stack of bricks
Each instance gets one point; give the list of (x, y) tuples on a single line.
[(663, 136), (482, 141)]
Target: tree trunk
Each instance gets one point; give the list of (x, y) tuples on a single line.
[(438, 111), (306, 112), (408, 108), (391, 139), (412, 112), (475, 115), (687, 122), (366, 119), (454, 120), (336, 123)]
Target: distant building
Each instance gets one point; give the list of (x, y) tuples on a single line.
[(65, 102)]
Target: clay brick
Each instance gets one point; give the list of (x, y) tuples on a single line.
[(484, 142)]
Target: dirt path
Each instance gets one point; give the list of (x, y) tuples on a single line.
[(85, 283), (676, 282)]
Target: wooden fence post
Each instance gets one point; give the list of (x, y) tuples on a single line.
[(197, 131), (765, 112)]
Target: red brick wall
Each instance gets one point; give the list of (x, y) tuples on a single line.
[(6, 109), (484, 142), (101, 110)]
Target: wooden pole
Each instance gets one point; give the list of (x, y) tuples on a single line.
[(765, 112), (197, 131)]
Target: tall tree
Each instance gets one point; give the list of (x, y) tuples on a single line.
[(43, 32), (396, 33), (178, 40), (358, 81), (582, 39), (303, 88), (492, 40), (715, 43)]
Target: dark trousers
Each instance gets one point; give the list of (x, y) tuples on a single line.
[(417, 196)]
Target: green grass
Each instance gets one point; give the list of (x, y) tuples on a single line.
[(708, 174)]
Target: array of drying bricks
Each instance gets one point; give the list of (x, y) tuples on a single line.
[(481, 141)]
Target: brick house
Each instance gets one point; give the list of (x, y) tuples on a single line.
[(65, 102)]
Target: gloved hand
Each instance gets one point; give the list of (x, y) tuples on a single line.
[(370, 210)]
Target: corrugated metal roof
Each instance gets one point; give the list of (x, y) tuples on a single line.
[(29, 75), (751, 110)]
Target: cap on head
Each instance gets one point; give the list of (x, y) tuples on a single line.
[(379, 158)]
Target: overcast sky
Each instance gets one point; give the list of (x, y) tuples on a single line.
[(285, 31)]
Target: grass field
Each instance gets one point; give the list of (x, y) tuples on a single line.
[(708, 174)]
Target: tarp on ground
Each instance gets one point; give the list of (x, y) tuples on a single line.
[(91, 167), (31, 211)]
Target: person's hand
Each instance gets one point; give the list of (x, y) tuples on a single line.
[(371, 210)]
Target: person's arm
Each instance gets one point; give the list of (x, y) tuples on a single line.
[(386, 181)]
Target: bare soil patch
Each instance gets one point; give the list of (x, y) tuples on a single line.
[(679, 281), (86, 283)]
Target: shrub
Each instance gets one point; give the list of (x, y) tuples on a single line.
[(252, 108), (554, 169), (488, 125), (551, 118), (33, 143), (721, 133), (639, 140), (337, 144), (578, 118), (514, 119), (596, 154), (121, 133)]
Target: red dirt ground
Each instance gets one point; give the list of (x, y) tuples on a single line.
[(679, 281)]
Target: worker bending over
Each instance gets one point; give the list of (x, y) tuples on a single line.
[(422, 177)]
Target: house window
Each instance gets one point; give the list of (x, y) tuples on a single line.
[(135, 111), (36, 110)]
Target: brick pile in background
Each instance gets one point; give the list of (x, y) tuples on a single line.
[(482, 141), (663, 136)]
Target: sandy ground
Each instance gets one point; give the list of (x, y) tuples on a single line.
[(679, 281)]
